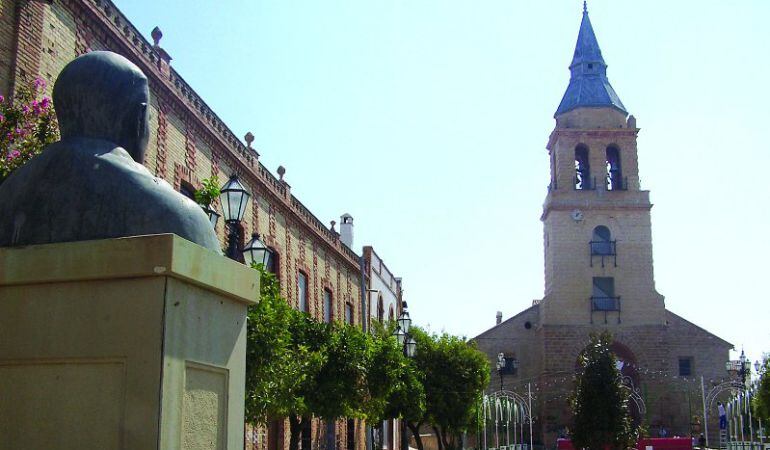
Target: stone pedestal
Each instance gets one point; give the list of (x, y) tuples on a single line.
[(134, 343)]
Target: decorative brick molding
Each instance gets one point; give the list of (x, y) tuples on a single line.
[(162, 154), (189, 146), (317, 299), (182, 173)]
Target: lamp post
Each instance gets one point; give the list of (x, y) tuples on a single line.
[(256, 252), (740, 367), (501, 368), (760, 371), (505, 365), (234, 199), (409, 345), (212, 214)]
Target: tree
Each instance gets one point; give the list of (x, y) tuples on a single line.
[(390, 380), (455, 374), (599, 402), (407, 399), (277, 364), (761, 401), (27, 125)]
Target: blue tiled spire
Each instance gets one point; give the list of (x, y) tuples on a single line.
[(588, 83)]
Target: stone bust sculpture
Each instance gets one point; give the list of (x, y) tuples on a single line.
[(92, 184)]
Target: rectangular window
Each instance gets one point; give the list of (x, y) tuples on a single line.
[(327, 306), (302, 292), (685, 366), (348, 313)]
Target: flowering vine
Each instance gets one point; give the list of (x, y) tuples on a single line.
[(27, 125)]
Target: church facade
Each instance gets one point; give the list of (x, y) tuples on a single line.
[(599, 274)]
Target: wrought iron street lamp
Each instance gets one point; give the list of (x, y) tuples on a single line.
[(501, 368), (505, 365), (409, 347), (212, 214), (234, 199), (256, 252), (741, 367)]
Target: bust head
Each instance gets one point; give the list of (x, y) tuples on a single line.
[(103, 95)]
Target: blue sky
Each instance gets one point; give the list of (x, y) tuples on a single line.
[(427, 121)]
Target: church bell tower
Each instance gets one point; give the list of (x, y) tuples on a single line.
[(597, 232)]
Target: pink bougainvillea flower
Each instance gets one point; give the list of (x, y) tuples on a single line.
[(39, 83), (2, 99), (45, 102), (2, 118)]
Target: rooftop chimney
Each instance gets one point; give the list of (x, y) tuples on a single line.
[(346, 229), (499, 317)]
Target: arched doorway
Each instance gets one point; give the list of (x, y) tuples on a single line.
[(629, 371)]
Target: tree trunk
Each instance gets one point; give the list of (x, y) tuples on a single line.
[(377, 432), (439, 439), (415, 428), (444, 439), (295, 428)]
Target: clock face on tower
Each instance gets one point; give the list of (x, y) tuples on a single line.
[(577, 215)]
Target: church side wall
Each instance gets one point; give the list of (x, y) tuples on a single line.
[(188, 143)]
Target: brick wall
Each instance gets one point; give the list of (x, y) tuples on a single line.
[(188, 143)]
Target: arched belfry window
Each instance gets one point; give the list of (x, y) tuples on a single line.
[(602, 245), (615, 180), (582, 169)]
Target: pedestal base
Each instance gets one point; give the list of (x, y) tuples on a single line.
[(135, 343)]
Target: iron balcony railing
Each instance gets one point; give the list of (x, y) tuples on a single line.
[(605, 305), (603, 249), (616, 183), (584, 184)]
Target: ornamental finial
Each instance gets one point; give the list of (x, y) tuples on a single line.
[(585, 7)]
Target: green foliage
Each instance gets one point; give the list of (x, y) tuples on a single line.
[(208, 192), (454, 375), (278, 363), (761, 401), (599, 403), (339, 387), (394, 387), (27, 125), (297, 367)]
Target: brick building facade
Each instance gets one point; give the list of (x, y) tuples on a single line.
[(188, 143), (599, 273)]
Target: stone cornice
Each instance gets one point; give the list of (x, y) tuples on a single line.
[(590, 133)]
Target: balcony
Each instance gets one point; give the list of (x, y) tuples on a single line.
[(603, 249), (605, 305), (584, 183), (616, 183)]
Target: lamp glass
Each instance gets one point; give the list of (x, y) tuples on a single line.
[(404, 321), (234, 199), (400, 336), (213, 216), (411, 346), (756, 366), (256, 252)]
